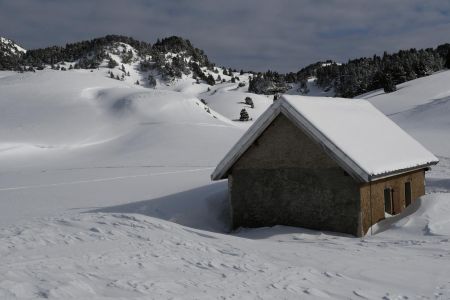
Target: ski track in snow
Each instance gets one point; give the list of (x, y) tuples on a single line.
[(100, 179)]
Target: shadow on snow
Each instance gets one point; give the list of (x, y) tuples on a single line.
[(205, 208)]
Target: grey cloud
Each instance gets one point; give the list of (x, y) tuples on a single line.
[(281, 35)]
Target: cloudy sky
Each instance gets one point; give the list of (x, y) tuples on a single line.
[(282, 35)]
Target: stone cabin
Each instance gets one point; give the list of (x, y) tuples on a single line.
[(323, 163)]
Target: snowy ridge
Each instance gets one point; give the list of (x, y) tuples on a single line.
[(9, 47)]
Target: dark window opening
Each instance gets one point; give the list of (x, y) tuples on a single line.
[(407, 193), (388, 200)]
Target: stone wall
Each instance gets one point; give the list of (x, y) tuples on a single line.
[(286, 178)]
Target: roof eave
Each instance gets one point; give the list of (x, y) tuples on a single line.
[(401, 171)]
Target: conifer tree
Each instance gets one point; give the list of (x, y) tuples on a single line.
[(447, 60), (210, 80), (243, 115), (249, 101), (388, 84), (112, 63)]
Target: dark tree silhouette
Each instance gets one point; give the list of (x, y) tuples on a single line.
[(243, 115)]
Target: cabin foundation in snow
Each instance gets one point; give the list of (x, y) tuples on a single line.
[(308, 162)]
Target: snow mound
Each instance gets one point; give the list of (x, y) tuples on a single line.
[(92, 108), (230, 102), (428, 216)]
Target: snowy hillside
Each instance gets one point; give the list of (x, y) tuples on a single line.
[(8, 47), (107, 129), (105, 194), (422, 108), (10, 54)]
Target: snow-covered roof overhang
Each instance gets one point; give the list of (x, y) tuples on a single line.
[(361, 139), (246, 141)]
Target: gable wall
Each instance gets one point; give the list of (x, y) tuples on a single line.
[(282, 144), (286, 178)]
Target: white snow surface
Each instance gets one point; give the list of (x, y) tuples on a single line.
[(422, 108), (370, 139), (105, 194)]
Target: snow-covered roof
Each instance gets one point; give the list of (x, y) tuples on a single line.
[(360, 138)]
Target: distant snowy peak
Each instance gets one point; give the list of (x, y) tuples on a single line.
[(329, 63), (121, 53), (8, 47), (11, 54), (169, 59)]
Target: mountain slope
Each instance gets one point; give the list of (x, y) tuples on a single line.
[(10, 54), (173, 58), (8, 47), (170, 57)]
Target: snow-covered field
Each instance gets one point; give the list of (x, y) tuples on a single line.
[(105, 193)]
